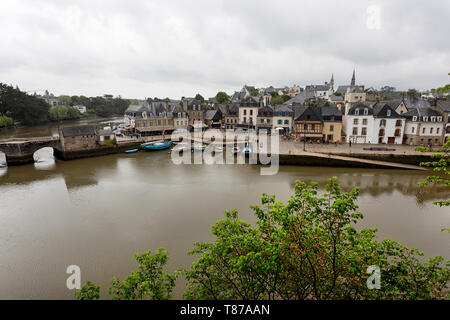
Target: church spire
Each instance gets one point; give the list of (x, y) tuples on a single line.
[(352, 84), (332, 82)]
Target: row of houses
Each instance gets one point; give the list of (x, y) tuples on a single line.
[(316, 114)]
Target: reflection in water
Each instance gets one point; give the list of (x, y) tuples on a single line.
[(2, 159), (97, 212), (44, 159), (3, 171)]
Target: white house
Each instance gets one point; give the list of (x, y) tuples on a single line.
[(379, 124), (424, 126), (80, 108)]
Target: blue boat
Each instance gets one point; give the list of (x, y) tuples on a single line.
[(132, 151), (157, 145)]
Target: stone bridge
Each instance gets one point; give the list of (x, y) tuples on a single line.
[(21, 150)]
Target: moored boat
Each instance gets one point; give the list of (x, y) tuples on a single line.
[(131, 151), (199, 148), (157, 145)]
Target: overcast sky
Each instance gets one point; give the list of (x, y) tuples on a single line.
[(177, 48)]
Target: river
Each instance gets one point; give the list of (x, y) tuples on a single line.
[(96, 213), (51, 129)]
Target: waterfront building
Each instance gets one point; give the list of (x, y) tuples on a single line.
[(230, 115), (283, 117), (424, 125), (213, 118), (377, 124), (77, 137), (195, 111), (308, 124), (443, 106), (264, 119), (248, 113), (105, 135)]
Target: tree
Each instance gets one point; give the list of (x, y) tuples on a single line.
[(254, 93), (441, 165), (22, 107), (89, 291), (199, 97), (149, 282), (222, 97), (309, 248), (279, 99)]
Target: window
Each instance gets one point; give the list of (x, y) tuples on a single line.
[(355, 121), (355, 131), (437, 130), (245, 112), (425, 118), (423, 130), (431, 130), (388, 113), (313, 127), (433, 119), (286, 121), (398, 123), (364, 131), (439, 119), (331, 128), (366, 111), (280, 122), (397, 132), (383, 123), (251, 112), (413, 129), (414, 118), (364, 122), (356, 112)]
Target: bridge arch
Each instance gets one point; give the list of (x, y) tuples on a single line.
[(44, 158), (22, 150)]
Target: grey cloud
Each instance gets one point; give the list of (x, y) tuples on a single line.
[(174, 48)]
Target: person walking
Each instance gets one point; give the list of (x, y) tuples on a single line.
[(350, 143)]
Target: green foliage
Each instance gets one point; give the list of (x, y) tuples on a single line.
[(254, 93), (199, 97), (6, 121), (110, 143), (57, 113), (309, 249), (66, 100), (279, 99), (22, 107), (222, 97), (148, 282), (89, 291), (441, 165)]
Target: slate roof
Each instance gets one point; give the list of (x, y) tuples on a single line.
[(303, 113), (336, 98), (422, 112), (213, 115), (78, 131), (445, 105), (380, 110), (104, 132), (300, 98), (360, 106)]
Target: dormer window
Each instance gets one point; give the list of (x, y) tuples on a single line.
[(179, 114), (366, 111), (425, 118), (433, 119), (356, 112), (439, 119), (388, 113), (414, 118)]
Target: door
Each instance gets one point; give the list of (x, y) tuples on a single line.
[(391, 140)]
